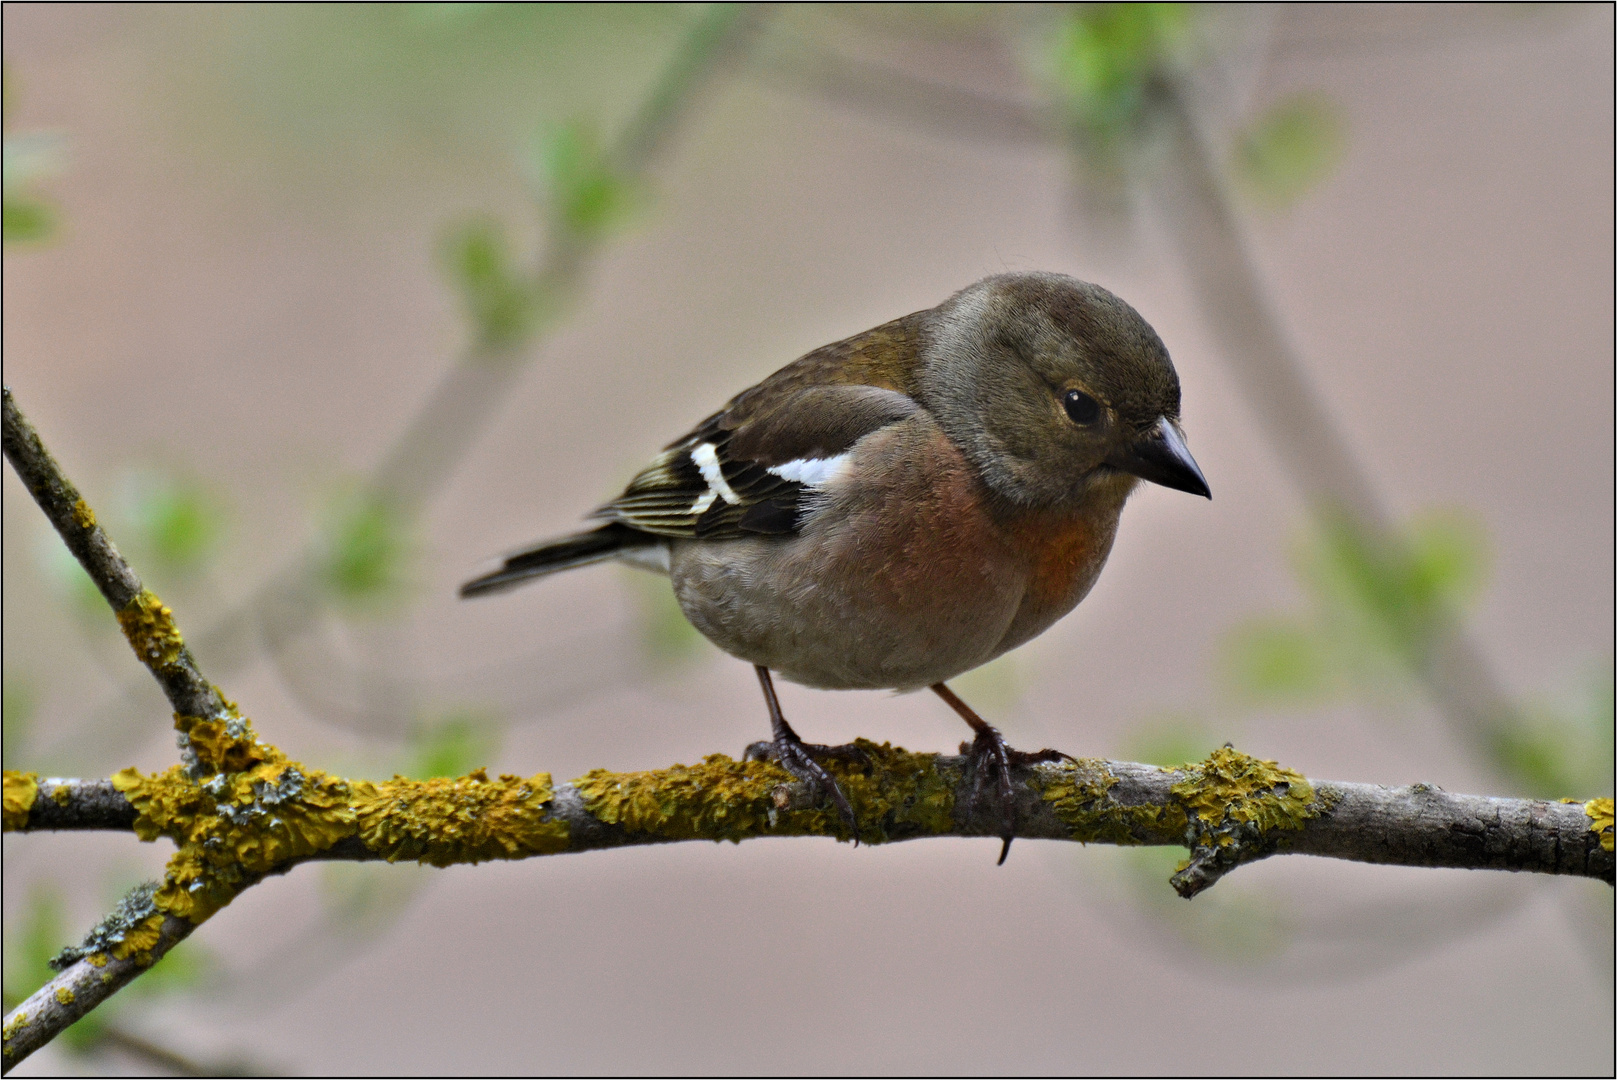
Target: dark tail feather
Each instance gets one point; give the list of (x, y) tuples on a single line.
[(579, 549)]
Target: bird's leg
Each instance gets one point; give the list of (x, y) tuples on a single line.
[(797, 757), (990, 760)]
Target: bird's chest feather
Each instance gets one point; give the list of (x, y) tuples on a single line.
[(1064, 553)]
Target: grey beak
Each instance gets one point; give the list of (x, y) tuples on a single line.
[(1161, 457)]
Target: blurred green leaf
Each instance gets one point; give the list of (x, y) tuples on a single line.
[(30, 943), (28, 159), (588, 198), (1106, 55), (1106, 67), (1242, 923), (1171, 739), (454, 745), (364, 898), (26, 220), (1391, 593), (1294, 145), (1375, 606), (75, 586), (1563, 752), (17, 703), (503, 303), (367, 551), (440, 15), (995, 687), (1279, 658), (174, 520)]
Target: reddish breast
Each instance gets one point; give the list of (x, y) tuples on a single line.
[(1064, 552)]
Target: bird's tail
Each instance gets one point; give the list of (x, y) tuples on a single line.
[(563, 553)]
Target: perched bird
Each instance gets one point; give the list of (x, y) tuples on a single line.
[(902, 506)]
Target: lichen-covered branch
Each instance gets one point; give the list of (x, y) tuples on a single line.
[(35, 803), (206, 721), (127, 942), (147, 624), (1227, 810)]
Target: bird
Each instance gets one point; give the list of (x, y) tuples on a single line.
[(904, 505)]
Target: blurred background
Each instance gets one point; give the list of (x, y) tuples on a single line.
[(323, 306)]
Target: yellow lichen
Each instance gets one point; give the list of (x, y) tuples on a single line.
[(96, 959), (1080, 796), (20, 791), (894, 794), (224, 743), (83, 516), (233, 827), (64, 995), (473, 819), (149, 626), (1232, 789), (139, 940), (62, 794), (16, 1023), (1599, 812)]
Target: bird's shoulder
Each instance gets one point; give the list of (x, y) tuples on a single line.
[(746, 469)]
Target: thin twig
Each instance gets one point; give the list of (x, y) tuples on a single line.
[(408, 476), (83, 985), (1288, 407), (1456, 673), (167, 657)]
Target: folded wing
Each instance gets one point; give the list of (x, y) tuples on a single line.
[(748, 469)]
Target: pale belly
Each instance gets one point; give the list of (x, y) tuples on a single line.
[(834, 620), (892, 589)]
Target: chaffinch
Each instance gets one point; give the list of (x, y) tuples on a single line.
[(899, 507)]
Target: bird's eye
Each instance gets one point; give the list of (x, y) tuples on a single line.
[(1081, 408)]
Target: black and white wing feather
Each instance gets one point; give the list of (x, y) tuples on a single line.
[(750, 469)]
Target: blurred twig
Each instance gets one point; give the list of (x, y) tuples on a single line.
[(1235, 305), (292, 600), (1310, 444)]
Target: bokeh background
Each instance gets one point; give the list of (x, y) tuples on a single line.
[(322, 306)]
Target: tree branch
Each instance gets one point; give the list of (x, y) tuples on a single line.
[(214, 739), (146, 623), (88, 981), (238, 808), (1228, 810)]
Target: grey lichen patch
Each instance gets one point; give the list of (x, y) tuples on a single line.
[(127, 930), (234, 827)]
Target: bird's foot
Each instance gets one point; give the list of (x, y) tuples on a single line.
[(990, 761), (798, 758)]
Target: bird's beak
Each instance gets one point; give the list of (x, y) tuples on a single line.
[(1160, 456)]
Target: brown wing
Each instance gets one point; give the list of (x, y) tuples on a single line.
[(744, 470)]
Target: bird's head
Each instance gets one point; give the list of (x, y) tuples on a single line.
[(1055, 389)]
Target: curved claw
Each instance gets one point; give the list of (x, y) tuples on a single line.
[(797, 758)]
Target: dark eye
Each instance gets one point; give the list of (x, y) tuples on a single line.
[(1081, 408)]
